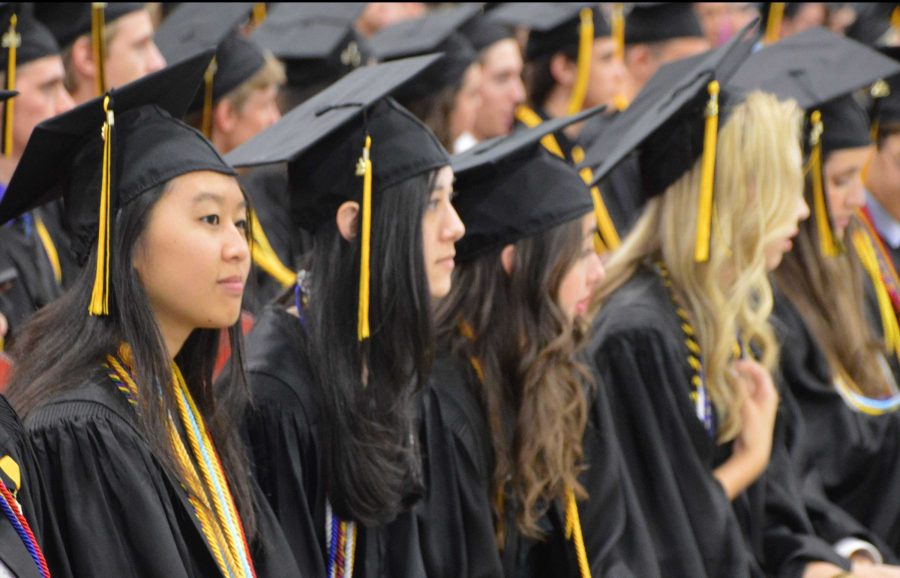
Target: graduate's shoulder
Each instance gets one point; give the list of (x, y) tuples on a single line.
[(640, 307)]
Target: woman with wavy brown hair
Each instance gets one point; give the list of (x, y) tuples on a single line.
[(507, 411)]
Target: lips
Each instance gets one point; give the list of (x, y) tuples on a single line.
[(233, 285)]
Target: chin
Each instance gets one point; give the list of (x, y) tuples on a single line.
[(441, 289)]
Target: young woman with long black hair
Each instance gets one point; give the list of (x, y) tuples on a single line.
[(144, 467), (336, 365)]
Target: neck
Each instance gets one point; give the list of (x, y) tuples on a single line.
[(84, 92), (7, 167), (174, 336), (557, 102)]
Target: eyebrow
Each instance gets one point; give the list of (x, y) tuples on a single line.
[(217, 198)]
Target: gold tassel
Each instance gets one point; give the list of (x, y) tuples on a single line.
[(98, 25), (265, 257), (208, 78), (11, 41), (364, 169), (49, 248), (895, 18), (607, 237), (531, 119), (259, 13), (707, 175), (820, 206), (618, 28), (573, 532), (585, 55), (773, 23), (100, 295)]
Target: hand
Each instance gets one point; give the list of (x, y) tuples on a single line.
[(753, 446), (871, 570)]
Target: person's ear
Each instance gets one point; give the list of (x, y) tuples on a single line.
[(224, 117), (508, 258), (562, 69), (83, 57), (346, 219)]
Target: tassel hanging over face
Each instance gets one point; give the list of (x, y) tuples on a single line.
[(585, 55), (707, 175), (364, 169), (827, 242), (100, 295)]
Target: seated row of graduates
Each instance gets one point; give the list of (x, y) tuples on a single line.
[(429, 400)]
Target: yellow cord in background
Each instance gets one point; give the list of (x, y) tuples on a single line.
[(866, 252), (585, 55), (11, 41), (573, 532), (773, 23), (264, 255), (98, 43), (208, 83), (531, 119)]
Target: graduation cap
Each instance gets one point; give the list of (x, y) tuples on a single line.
[(69, 20), (349, 142), (510, 187), (885, 93), (316, 41), (648, 22), (558, 27), (436, 31), (673, 121), (107, 152), (24, 40), (815, 68), (483, 32), (877, 24), (194, 27)]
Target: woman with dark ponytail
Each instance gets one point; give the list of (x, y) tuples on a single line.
[(144, 468), (335, 367)]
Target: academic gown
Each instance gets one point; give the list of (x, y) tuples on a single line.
[(639, 352), (286, 446), (111, 508), (456, 517), (267, 188), (34, 285), (851, 457), (14, 555)]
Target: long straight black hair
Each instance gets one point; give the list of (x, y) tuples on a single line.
[(62, 347), (371, 459)]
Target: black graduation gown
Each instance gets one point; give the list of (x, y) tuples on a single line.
[(53, 217), (111, 508), (456, 514), (34, 285), (13, 443), (639, 352), (267, 188), (283, 431), (850, 458)]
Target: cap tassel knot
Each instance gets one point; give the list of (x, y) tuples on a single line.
[(364, 169), (100, 295), (707, 175), (585, 49)]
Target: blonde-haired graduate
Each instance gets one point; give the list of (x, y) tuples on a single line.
[(682, 339)]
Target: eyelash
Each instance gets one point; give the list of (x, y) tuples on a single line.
[(242, 224)]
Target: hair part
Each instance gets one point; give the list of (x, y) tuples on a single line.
[(526, 348), (757, 184)]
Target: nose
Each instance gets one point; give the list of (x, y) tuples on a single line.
[(518, 90), (453, 229), (596, 273), (155, 60), (803, 211), (856, 197), (236, 247), (64, 102)]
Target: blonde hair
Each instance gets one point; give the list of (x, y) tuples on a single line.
[(271, 74), (758, 184)]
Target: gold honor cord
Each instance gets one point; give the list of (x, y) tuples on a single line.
[(208, 80), (531, 119), (707, 175), (11, 41), (98, 43), (773, 23), (265, 257), (607, 237), (364, 170), (585, 55), (827, 241), (867, 256), (49, 248), (100, 295)]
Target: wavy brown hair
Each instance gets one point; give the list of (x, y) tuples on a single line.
[(526, 350)]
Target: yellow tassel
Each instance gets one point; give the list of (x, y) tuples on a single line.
[(890, 327), (773, 24), (895, 18), (49, 248), (100, 295), (265, 257), (585, 55), (607, 237), (820, 206), (531, 119), (208, 78), (364, 169), (259, 13), (573, 532), (11, 41), (707, 175), (98, 25), (618, 28)]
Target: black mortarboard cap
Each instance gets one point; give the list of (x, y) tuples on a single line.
[(34, 39), (483, 32), (510, 187), (648, 22), (885, 109), (316, 42), (148, 148), (845, 124), (554, 26), (194, 27), (69, 20), (437, 31), (667, 124), (349, 142), (876, 23)]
